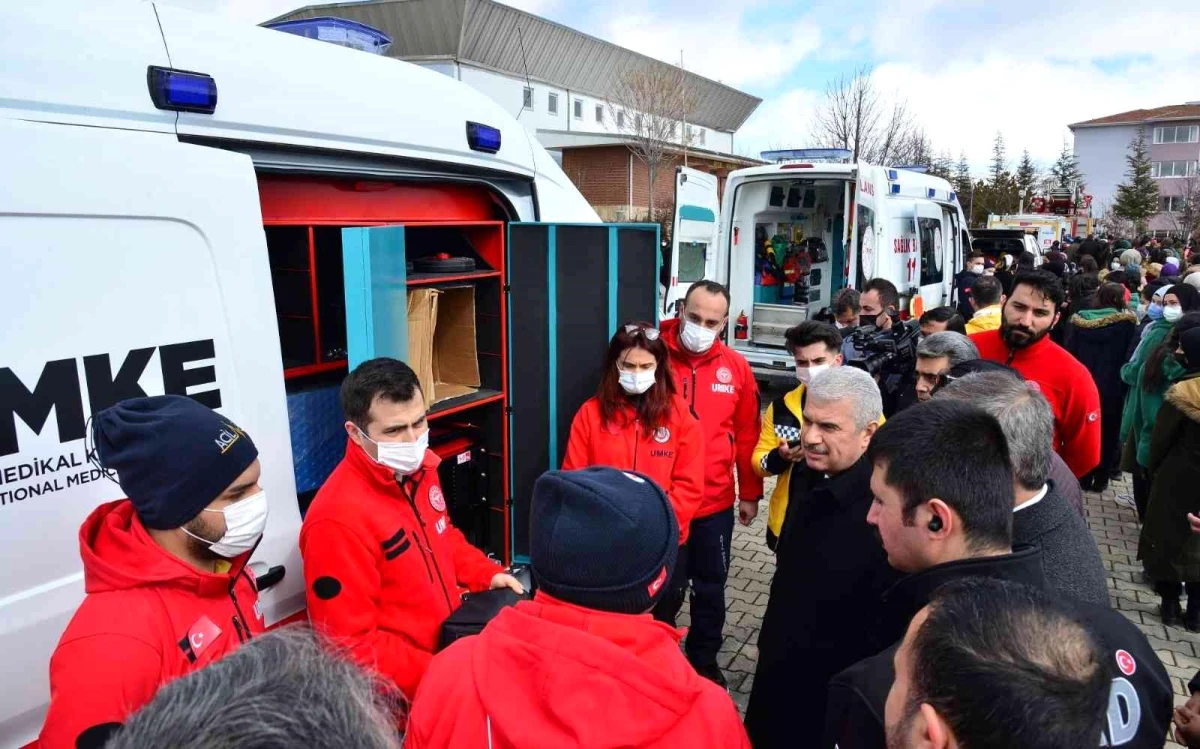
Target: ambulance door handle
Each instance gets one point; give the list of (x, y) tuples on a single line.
[(268, 579)]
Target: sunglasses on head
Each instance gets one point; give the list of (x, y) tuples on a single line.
[(647, 332)]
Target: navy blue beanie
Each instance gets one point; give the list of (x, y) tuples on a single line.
[(602, 538), (173, 456)]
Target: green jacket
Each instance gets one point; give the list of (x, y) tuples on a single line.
[(1141, 407)]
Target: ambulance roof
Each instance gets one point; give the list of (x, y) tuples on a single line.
[(89, 67)]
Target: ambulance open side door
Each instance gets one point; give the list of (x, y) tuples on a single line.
[(693, 234)]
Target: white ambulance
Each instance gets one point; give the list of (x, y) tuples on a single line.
[(854, 221), (174, 198)]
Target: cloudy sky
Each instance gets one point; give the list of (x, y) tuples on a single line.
[(966, 67)]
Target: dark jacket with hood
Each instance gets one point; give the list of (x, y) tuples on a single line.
[(1142, 697), (1168, 549), (823, 610), (1100, 340)]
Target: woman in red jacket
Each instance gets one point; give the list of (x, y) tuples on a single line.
[(636, 422)]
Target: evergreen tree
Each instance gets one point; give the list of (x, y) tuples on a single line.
[(1137, 196), (962, 178), (998, 158), (1026, 174), (943, 166), (1066, 170)]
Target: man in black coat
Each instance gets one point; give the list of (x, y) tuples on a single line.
[(831, 570), (941, 519), (1042, 517)]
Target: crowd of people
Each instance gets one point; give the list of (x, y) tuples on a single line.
[(936, 583)]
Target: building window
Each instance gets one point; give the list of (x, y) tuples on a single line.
[(1177, 134), (552, 104), (620, 120), (579, 109), (527, 103), (1166, 169), (637, 123), (701, 138), (1173, 203), (599, 113), (688, 134)]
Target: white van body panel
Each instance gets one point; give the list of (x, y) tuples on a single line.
[(136, 241), (891, 248), (697, 207), (81, 63), (118, 237)]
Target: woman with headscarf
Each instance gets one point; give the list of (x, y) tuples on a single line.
[(1005, 267), (1169, 551), (1099, 338), (1148, 375)]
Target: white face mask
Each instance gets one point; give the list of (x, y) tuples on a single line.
[(636, 383), (805, 374), (245, 521), (697, 338), (402, 457), (1115, 265), (1171, 314), (977, 269)]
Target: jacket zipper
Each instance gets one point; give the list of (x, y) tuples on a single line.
[(637, 437), (692, 407), (428, 547), (243, 632)]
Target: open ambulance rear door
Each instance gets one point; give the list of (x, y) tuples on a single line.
[(693, 234)]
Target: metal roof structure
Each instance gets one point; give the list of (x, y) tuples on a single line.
[(490, 35), (1189, 111)]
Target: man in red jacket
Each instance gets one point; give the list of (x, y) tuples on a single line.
[(718, 385), (583, 664), (168, 591), (1023, 343), (382, 563)]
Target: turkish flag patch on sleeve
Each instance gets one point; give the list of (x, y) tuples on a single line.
[(200, 635)]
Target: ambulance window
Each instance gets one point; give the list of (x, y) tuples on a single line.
[(932, 250), (866, 240), (691, 261)]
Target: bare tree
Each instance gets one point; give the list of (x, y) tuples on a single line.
[(854, 116), (650, 104), (1185, 213)]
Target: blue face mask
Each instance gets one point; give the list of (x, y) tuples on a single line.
[(1154, 311)]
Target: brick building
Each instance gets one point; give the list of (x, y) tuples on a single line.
[(557, 81)]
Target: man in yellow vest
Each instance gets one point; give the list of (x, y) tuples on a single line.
[(816, 346)]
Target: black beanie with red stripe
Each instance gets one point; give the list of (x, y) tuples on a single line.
[(602, 538)]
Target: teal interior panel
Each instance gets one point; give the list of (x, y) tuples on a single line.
[(376, 293)]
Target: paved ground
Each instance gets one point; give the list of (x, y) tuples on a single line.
[(1114, 527)]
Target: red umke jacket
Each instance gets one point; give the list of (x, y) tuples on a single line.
[(549, 674), (148, 617), (721, 392), (672, 455), (1068, 386), (383, 564)]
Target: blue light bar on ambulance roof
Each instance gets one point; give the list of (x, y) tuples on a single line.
[(181, 91), (932, 192), (338, 31), (483, 137), (953, 197), (918, 168), (892, 176), (834, 155)]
